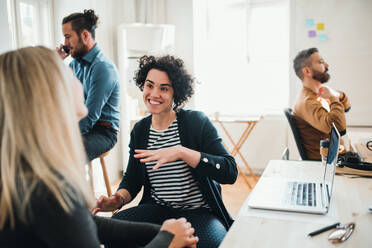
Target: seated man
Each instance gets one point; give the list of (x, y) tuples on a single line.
[(317, 105), (100, 82)]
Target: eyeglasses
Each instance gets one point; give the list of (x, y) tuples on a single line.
[(342, 233)]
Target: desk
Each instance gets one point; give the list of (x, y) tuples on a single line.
[(250, 124), (264, 228)]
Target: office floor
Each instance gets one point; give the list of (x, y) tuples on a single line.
[(233, 195)]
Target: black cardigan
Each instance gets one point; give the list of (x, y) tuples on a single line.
[(196, 132)]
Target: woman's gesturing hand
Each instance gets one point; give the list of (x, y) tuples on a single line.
[(170, 154), (161, 156)]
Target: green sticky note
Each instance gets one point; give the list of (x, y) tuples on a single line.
[(322, 37)]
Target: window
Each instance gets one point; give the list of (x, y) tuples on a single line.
[(242, 57), (32, 21)]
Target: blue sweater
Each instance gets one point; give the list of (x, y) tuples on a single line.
[(198, 133)]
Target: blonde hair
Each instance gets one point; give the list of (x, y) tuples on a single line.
[(39, 136)]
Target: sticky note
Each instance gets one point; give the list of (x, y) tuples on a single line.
[(311, 33), (320, 26), (322, 37), (309, 22)]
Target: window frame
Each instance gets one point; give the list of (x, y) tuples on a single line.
[(44, 21)]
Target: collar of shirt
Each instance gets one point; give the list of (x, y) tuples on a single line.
[(91, 55)]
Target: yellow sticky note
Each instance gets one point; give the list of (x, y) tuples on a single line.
[(320, 26)]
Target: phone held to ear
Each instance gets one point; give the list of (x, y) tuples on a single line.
[(66, 49)]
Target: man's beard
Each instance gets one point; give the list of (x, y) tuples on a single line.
[(80, 50), (322, 77)]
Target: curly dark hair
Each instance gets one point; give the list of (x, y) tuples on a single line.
[(182, 82)]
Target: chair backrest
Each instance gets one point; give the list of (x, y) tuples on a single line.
[(296, 133)]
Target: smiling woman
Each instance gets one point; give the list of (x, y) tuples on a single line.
[(176, 155)]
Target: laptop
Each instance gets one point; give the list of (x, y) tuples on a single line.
[(312, 196)]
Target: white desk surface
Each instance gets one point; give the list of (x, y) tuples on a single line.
[(265, 228)]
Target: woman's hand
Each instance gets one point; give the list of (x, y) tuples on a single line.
[(182, 231), (169, 154), (162, 156), (107, 204)]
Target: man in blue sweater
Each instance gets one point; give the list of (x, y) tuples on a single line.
[(100, 81)]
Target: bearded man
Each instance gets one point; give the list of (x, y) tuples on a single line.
[(100, 81), (317, 105)]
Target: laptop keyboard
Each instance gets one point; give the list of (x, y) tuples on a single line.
[(302, 194)]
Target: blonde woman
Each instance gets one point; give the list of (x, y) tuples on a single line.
[(44, 198)]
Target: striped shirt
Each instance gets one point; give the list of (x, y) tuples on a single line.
[(172, 184)]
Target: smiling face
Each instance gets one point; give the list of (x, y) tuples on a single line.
[(73, 41), (158, 92)]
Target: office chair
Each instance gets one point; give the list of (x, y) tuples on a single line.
[(296, 133)]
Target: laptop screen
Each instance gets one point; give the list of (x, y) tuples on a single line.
[(334, 142)]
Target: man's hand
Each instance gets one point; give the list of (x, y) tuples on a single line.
[(326, 92), (107, 204), (182, 231), (61, 52)]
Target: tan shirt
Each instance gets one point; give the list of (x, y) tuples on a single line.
[(314, 116)]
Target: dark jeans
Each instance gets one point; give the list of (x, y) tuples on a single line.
[(98, 141), (208, 227)]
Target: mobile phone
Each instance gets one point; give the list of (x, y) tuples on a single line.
[(66, 49)]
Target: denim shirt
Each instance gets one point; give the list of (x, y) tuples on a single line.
[(100, 81)]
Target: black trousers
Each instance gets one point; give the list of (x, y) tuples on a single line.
[(98, 141), (208, 227)]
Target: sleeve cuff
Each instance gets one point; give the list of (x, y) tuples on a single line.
[(162, 239)]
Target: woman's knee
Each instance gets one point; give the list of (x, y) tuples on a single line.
[(143, 213)]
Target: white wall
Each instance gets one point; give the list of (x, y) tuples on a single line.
[(6, 34), (180, 14)]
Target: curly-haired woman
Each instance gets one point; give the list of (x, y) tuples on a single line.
[(176, 155)]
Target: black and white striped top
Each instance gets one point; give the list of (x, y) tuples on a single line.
[(172, 184)]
